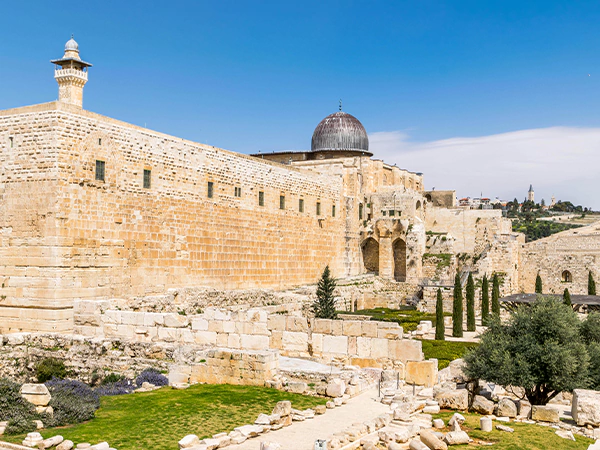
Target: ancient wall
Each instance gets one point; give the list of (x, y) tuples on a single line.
[(442, 199), (576, 252), (92, 239)]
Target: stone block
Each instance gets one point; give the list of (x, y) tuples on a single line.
[(337, 327), (453, 399), (336, 388), (507, 408), (379, 348), (544, 414), (233, 340), (293, 323), (482, 405), (369, 329), (36, 394), (351, 328), (405, 350), (432, 441), (205, 337), (335, 344), (189, 441), (173, 320), (322, 326), (297, 387), (154, 319), (276, 322), (422, 373), (250, 342), (363, 347), (294, 341), (276, 339), (585, 407)]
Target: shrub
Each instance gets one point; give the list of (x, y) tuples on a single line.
[(49, 368), (152, 376), (112, 378), (324, 305), (457, 308), (15, 410), (72, 401), (120, 387)]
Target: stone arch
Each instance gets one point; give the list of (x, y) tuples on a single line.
[(399, 248), (418, 205), (370, 254), (566, 277)]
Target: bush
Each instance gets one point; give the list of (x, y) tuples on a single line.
[(49, 368), (15, 410), (112, 378), (72, 401), (152, 376), (120, 387), (324, 305)]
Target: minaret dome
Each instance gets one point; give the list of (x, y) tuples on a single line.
[(71, 74)]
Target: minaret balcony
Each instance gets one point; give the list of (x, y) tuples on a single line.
[(64, 73)]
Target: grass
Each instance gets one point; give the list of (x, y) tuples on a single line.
[(525, 437), (158, 420), (446, 351), (407, 316)]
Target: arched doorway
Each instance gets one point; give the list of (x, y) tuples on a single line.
[(370, 253), (418, 205), (399, 247)]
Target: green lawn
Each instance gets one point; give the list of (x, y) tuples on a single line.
[(158, 420), (407, 316), (446, 351), (525, 437)]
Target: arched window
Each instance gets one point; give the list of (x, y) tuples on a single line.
[(566, 277), (428, 198), (418, 206)]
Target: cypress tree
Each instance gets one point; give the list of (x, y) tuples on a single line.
[(324, 305), (457, 308), (495, 295), (538, 284), (440, 327), (566, 297), (470, 304), (591, 284), (485, 301)]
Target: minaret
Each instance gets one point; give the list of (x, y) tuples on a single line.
[(71, 74), (530, 195)]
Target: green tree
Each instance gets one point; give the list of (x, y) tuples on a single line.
[(457, 308), (485, 300), (567, 297), (470, 294), (324, 305), (538, 284), (495, 295), (591, 284), (590, 333), (539, 348), (440, 327)]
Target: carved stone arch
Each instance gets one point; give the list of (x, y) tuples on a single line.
[(566, 277), (370, 255), (399, 249)]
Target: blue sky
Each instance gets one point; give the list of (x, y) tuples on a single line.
[(250, 76)]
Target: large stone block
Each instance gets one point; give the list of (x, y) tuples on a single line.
[(276, 322), (199, 324), (293, 323), (585, 407), (545, 414), (363, 347), (453, 399), (205, 337), (421, 373), (351, 328), (335, 344), (250, 342), (405, 350), (294, 341), (36, 394), (507, 408), (322, 326), (482, 405), (379, 348)]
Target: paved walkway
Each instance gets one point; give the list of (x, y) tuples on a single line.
[(302, 435)]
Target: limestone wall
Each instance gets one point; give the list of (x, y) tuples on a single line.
[(355, 342), (576, 251)]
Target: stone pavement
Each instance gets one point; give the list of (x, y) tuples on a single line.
[(302, 435)]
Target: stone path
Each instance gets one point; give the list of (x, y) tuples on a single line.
[(302, 435)]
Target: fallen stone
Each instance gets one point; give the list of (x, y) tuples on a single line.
[(338, 401), (297, 387), (36, 394), (402, 435), (432, 441), (249, 430), (83, 445), (485, 424), (39, 424), (456, 438), (266, 445), (585, 407), (180, 386), (431, 409), (438, 423), (565, 434), (189, 441), (507, 408), (33, 439), (283, 408), (51, 442), (456, 421), (524, 408), (417, 445), (100, 446), (320, 409), (544, 414), (65, 445), (504, 428), (329, 405), (502, 419), (456, 399), (336, 388), (482, 405), (394, 446)]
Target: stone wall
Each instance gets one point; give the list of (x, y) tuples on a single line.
[(348, 341)]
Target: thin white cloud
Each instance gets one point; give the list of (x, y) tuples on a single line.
[(559, 161)]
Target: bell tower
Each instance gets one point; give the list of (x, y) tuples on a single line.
[(71, 74)]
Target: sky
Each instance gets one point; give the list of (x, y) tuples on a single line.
[(481, 96)]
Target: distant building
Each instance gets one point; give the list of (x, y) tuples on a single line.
[(530, 194)]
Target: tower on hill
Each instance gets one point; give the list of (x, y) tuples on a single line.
[(530, 194), (71, 74)]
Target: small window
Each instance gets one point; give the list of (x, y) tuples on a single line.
[(210, 192), (147, 178), (238, 191), (261, 198), (333, 211), (360, 211), (99, 141), (318, 208), (282, 202), (301, 205), (392, 213), (567, 277), (100, 168), (12, 141), (383, 213)]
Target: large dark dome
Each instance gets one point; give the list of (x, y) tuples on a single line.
[(340, 131)]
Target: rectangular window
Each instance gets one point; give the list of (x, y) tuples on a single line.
[(360, 211), (12, 141), (261, 198), (301, 205), (238, 191), (210, 192), (100, 167), (383, 213), (392, 212), (99, 141), (147, 178), (333, 211), (282, 202), (318, 208)]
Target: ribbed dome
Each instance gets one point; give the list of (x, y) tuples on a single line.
[(71, 45), (340, 131)]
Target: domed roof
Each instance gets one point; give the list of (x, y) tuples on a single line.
[(71, 45), (340, 131)]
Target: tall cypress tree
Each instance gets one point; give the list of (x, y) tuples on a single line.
[(485, 301), (470, 303), (324, 305), (440, 327), (591, 284), (495, 295), (567, 297), (457, 308), (538, 284)]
